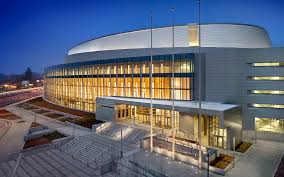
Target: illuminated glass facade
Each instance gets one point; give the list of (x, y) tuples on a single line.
[(76, 85)]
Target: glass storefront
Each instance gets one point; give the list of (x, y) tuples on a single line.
[(211, 132), (217, 135), (77, 85)]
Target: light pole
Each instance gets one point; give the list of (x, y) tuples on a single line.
[(234, 144), (199, 89), (208, 160), (173, 84), (151, 83)]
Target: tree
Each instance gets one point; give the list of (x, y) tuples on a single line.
[(28, 74)]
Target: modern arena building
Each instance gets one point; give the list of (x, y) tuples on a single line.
[(242, 81)]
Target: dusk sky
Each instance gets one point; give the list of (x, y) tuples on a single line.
[(38, 33)]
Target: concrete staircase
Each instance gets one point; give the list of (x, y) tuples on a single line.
[(47, 164), (88, 152), (129, 133)]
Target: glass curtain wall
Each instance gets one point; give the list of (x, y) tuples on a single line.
[(77, 85)]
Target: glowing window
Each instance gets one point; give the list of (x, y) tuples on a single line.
[(272, 92), (193, 36), (268, 78), (269, 125), (267, 64), (276, 106)]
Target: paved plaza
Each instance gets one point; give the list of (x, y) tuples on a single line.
[(261, 160)]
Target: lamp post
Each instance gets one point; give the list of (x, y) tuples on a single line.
[(173, 84), (199, 89), (208, 160), (151, 82), (234, 144)]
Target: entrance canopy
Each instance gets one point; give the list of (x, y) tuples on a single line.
[(207, 108)]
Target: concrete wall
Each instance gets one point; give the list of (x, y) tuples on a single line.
[(227, 72), (186, 122), (105, 110), (233, 120)]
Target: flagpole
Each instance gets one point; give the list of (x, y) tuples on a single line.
[(151, 82), (173, 84), (199, 85)]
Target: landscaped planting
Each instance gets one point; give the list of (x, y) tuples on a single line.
[(35, 124), (30, 108), (222, 161), (85, 122), (53, 136), (243, 147), (53, 115), (86, 119), (36, 142), (45, 139), (41, 111), (9, 116), (42, 103), (4, 111)]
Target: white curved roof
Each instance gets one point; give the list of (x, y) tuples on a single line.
[(212, 35)]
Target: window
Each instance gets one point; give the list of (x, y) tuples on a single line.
[(276, 106), (267, 64), (269, 125), (193, 36), (266, 78), (268, 92)]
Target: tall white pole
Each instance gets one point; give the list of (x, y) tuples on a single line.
[(199, 88), (173, 84), (151, 82)]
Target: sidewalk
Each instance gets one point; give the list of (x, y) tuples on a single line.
[(261, 161), (61, 127), (13, 140)]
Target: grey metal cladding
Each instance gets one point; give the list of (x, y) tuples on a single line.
[(212, 35)]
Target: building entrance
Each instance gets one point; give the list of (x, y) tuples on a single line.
[(186, 125)]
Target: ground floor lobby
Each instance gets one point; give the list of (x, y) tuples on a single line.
[(216, 126)]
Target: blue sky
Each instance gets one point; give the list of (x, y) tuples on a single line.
[(38, 33)]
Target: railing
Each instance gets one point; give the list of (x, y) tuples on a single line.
[(138, 169), (186, 134)]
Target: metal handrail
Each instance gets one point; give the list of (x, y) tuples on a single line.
[(17, 164)]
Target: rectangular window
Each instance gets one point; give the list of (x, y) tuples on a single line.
[(268, 92), (266, 78), (267, 64), (193, 36), (269, 125), (276, 106)]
